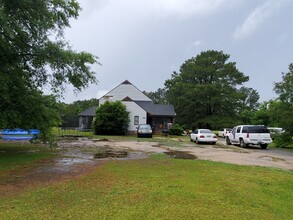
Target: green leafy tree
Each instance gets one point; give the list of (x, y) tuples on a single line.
[(158, 97), (248, 106), (285, 88), (248, 99), (281, 111), (46, 116), (111, 118), (261, 115), (204, 91), (34, 53), (76, 107), (28, 108)]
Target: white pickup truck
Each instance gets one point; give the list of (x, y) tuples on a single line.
[(224, 132), (245, 135)]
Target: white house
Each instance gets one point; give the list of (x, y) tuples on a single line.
[(141, 108)]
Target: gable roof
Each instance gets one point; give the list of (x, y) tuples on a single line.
[(126, 82), (127, 92), (127, 99), (125, 88), (89, 111), (156, 109)]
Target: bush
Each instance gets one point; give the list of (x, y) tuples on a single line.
[(176, 130), (284, 140), (111, 118)]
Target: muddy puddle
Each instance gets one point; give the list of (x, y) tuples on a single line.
[(73, 161), (180, 155)]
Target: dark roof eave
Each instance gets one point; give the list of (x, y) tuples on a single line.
[(161, 115)]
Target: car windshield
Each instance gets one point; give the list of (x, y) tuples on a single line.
[(205, 131), (145, 127)]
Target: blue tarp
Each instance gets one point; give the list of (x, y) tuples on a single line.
[(19, 134)]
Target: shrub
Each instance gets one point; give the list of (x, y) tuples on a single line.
[(284, 140), (176, 130), (111, 118)]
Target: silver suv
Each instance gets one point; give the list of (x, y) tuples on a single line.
[(245, 135)]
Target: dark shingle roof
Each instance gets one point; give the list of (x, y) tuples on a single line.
[(148, 106), (157, 109), (126, 82), (88, 112), (127, 99)]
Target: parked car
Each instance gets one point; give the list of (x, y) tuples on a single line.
[(144, 130), (203, 135), (224, 132), (245, 135)]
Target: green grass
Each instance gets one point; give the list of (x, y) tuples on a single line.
[(70, 132), (14, 155), (160, 188)]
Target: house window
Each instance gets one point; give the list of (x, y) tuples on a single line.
[(136, 120)]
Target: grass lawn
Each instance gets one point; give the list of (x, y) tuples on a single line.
[(14, 155), (160, 188)]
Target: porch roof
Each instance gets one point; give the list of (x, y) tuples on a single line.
[(157, 109)]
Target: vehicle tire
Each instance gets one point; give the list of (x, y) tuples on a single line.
[(213, 143), (263, 146), (196, 141), (228, 142), (242, 144)]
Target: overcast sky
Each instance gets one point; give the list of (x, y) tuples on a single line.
[(144, 41)]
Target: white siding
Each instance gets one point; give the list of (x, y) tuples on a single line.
[(103, 100), (122, 91), (135, 110)]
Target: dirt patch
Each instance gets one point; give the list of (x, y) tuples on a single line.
[(48, 172), (244, 156), (220, 152), (77, 158)]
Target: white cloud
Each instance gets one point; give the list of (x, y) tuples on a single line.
[(196, 43), (256, 18), (193, 46), (186, 8)]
